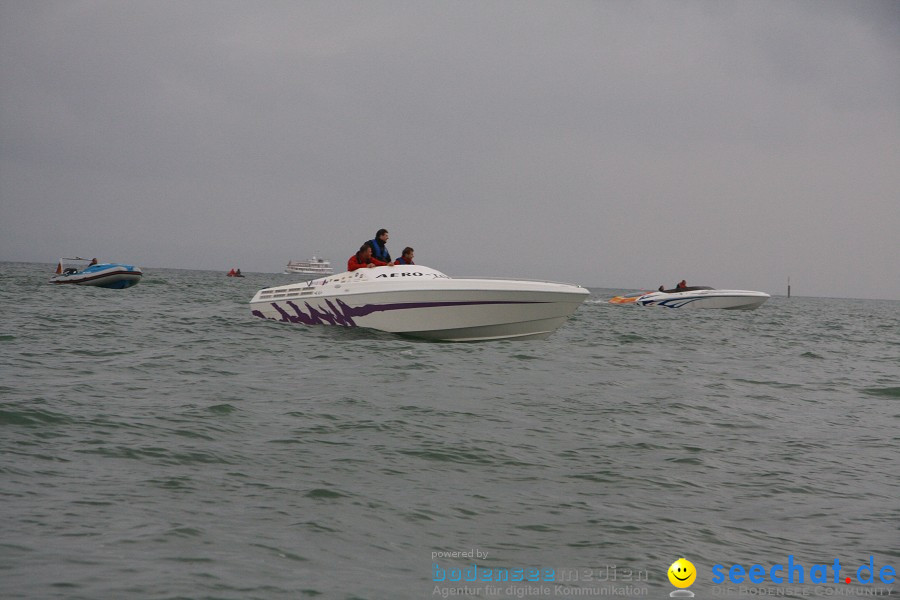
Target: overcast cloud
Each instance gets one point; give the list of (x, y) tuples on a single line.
[(610, 143)]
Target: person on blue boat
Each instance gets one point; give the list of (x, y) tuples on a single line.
[(407, 257), (379, 246)]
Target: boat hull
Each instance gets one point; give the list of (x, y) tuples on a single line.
[(110, 276), (421, 302), (306, 276), (719, 299)]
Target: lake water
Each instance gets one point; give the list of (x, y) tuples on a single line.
[(160, 442)]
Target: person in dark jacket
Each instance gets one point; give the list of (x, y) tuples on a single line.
[(406, 258), (379, 247)]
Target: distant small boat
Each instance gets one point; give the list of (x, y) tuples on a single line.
[(696, 297), (105, 275), (234, 273), (315, 266)]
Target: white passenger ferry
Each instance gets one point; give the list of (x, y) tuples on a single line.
[(315, 266)]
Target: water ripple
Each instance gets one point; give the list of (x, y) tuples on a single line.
[(198, 452)]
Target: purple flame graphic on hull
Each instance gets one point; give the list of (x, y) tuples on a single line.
[(343, 315)]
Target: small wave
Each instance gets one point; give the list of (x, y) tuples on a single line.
[(97, 353), (777, 384), (318, 527), (184, 532), (172, 483), (189, 560), (324, 494), (158, 455), (888, 392), (281, 553), (630, 338), (686, 461), (539, 528), (602, 477), (454, 456), (31, 417), (193, 434)]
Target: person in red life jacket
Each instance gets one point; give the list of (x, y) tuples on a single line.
[(681, 285), (406, 258), (363, 259)]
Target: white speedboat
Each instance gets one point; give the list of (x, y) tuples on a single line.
[(696, 297), (105, 275), (315, 266), (421, 302)]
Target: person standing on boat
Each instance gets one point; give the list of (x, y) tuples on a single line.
[(379, 246), (406, 258), (364, 260)]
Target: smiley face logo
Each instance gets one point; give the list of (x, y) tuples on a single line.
[(682, 573)]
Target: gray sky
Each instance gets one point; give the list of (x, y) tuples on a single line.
[(608, 143)]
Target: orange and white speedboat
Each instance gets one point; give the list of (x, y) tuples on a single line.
[(696, 297)]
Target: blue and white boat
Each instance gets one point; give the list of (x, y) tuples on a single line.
[(106, 275)]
